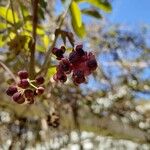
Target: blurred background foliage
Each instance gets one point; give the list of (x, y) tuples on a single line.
[(111, 104)]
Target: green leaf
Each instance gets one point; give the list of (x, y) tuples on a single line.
[(46, 41), (7, 14), (51, 71), (93, 13), (80, 31), (2, 26), (39, 30), (101, 4), (40, 48), (1, 41), (76, 14)]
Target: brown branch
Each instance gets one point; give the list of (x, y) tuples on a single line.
[(8, 70), (48, 54), (32, 48)]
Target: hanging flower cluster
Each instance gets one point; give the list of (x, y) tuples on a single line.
[(25, 89), (79, 62)]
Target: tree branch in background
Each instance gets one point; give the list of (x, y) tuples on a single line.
[(33, 45), (8, 70), (47, 56)]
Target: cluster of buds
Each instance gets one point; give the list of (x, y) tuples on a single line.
[(25, 90), (79, 63)]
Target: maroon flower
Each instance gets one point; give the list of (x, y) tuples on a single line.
[(29, 93), (60, 76), (64, 65), (23, 74), (39, 80), (23, 83), (17, 97), (11, 90), (58, 52), (40, 90), (78, 77)]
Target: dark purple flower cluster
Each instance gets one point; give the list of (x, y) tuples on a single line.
[(25, 90), (79, 62)]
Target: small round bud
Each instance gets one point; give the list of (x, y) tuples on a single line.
[(40, 90), (21, 100), (17, 96), (39, 80), (11, 90), (29, 93), (63, 49), (23, 83), (58, 53), (23, 74)]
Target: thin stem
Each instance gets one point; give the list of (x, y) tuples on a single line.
[(48, 54), (12, 8), (32, 48), (8, 70)]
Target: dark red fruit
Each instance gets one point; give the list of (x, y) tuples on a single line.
[(39, 80), (23, 83), (40, 90), (29, 93), (64, 65), (11, 90), (23, 74)]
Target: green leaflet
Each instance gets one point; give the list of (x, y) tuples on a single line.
[(7, 14)]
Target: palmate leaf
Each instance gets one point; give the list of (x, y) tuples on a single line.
[(7, 14)]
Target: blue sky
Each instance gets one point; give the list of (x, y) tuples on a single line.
[(130, 12)]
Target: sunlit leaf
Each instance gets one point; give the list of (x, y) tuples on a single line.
[(93, 13), (29, 27), (101, 4), (2, 26), (1, 41), (76, 14), (40, 48), (46, 41), (80, 31), (51, 71), (7, 14)]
